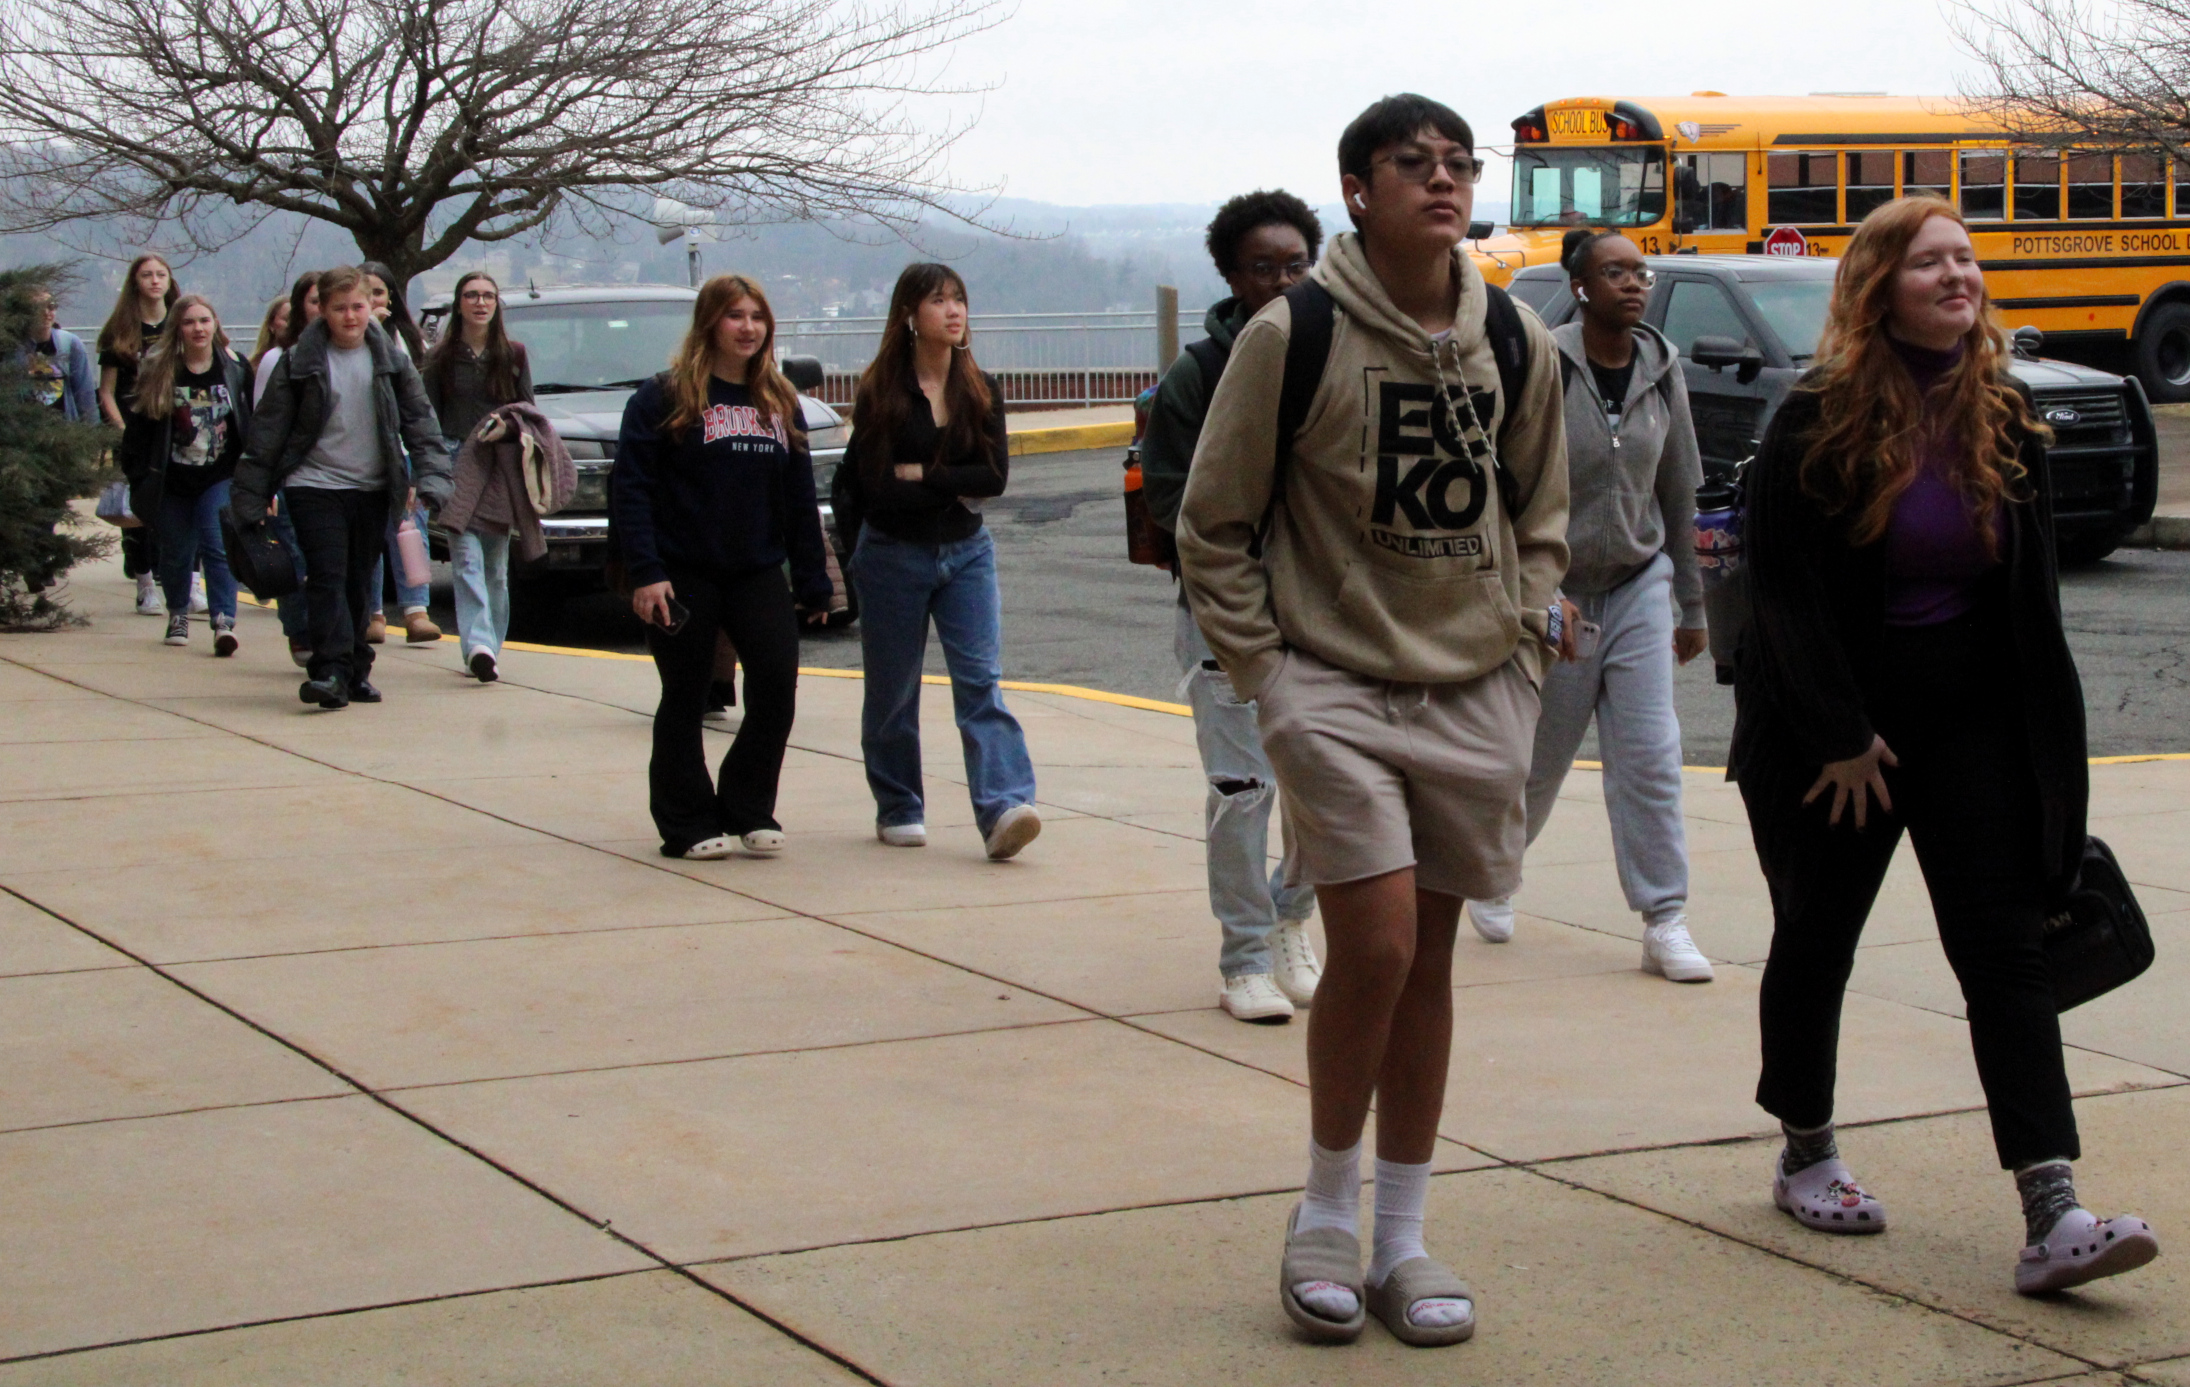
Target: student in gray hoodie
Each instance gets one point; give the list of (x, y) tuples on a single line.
[(1632, 471)]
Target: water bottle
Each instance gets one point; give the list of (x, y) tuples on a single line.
[(411, 558), (1145, 540), (1718, 530)]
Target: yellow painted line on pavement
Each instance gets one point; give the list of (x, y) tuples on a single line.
[(1072, 438)]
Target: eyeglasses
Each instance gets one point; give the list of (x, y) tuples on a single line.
[(1263, 272), (1616, 275), (480, 296), (1414, 166)]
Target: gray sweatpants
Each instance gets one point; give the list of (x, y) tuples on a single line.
[(1627, 686)]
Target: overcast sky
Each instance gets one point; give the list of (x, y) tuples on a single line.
[(1133, 101)]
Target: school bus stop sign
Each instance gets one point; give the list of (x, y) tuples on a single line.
[(1786, 240)]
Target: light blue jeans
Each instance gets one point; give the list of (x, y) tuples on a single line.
[(1627, 686), (409, 598), (903, 587), (1247, 895), (481, 565)]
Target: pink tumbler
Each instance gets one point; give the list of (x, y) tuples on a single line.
[(410, 554)]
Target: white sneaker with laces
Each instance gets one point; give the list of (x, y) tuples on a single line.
[(197, 595), (1293, 963), (1492, 919), (902, 835), (764, 842), (1253, 997), (1671, 954), (149, 601)]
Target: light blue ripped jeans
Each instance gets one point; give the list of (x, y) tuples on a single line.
[(1246, 894)]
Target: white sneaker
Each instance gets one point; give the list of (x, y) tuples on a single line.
[(1492, 919), (1670, 953), (902, 835), (764, 842), (197, 595), (1293, 964), (1018, 826), (1253, 997), (149, 601)]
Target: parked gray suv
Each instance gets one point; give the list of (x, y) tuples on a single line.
[(590, 347), (1747, 326)]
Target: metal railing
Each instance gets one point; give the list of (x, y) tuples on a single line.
[(1061, 359)]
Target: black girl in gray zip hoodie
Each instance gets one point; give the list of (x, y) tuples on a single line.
[(1632, 473)]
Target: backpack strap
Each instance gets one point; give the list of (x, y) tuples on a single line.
[(1508, 338), (1210, 357), (1307, 352)]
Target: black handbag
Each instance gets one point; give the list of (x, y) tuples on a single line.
[(2096, 937), (258, 558)]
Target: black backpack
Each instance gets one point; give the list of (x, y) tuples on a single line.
[(1308, 352)]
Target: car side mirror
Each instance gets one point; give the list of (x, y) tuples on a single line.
[(2028, 342), (1478, 231), (1718, 353), (804, 372)]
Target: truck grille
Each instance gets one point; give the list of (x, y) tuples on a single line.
[(2094, 454), (2084, 417)]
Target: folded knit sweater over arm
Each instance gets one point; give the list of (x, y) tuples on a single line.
[(728, 495)]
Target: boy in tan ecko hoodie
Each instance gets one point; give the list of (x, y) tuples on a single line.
[(1391, 613)]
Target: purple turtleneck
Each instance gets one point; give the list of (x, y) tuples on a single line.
[(1935, 549)]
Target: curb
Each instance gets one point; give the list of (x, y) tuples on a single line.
[(2161, 532), (1072, 438)]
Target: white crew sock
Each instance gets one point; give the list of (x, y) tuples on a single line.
[(1402, 1195), (1331, 1200), (1333, 1196)]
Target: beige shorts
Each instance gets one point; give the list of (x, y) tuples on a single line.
[(1375, 776)]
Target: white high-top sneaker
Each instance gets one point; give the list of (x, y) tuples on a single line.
[(1669, 952)]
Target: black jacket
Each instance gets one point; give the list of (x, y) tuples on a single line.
[(931, 510), (148, 444), (286, 425), (728, 497), (1809, 664)]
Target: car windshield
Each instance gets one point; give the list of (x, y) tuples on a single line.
[(1795, 309), (1613, 185), (597, 346)]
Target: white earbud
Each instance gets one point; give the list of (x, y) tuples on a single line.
[(1582, 294), (1359, 203)]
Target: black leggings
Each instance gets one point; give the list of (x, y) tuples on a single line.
[(1966, 793), (754, 610)]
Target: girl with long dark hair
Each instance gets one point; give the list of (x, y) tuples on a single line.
[(712, 491), (141, 309), (472, 371), (186, 421), (1906, 668), (303, 309), (930, 437)]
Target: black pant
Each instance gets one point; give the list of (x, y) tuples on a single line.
[(341, 536), (140, 550), (1966, 793), (754, 610)]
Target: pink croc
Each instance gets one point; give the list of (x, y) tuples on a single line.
[(1826, 1197), (2081, 1248)]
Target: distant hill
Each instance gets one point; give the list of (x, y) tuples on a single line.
[(1051, 259)]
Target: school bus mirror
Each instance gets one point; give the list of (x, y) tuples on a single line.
[(1480, 230), (1683, 224)]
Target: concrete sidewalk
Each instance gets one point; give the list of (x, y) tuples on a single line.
[(382, 1047)]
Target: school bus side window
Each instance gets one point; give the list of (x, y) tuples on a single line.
[(1802, 189), (2182, 187), (1870, 182), (1928, 173), (1714, 191), (1984, 185), (2037, 187), (1698, 308), (2091, 187), (2144, 186)]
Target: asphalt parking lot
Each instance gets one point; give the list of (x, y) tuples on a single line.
[(1076, 612)]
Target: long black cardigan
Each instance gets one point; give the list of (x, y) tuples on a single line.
[(1809, 665)]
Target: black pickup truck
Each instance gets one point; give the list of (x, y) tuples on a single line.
[(1747, 326)]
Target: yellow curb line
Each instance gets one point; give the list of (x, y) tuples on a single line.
[(1072, 438)]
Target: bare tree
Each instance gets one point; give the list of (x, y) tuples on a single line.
[(420, 125), (2110, 79)]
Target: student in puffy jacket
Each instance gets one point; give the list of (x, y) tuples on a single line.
[(712, 491), (1632, 473), (928, 437), (184, 426)]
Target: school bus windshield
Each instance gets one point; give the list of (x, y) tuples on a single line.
[(1619, 185)]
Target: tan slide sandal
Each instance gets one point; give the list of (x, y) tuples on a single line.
[(1322, 1254), (1415, 1280)]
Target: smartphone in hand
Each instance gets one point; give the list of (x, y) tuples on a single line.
[(677, 615), (1587, 634)]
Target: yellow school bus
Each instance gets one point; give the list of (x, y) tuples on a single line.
[(2092, 249)]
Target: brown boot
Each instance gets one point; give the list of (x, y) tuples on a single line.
[(376, 630), (418, 629)]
